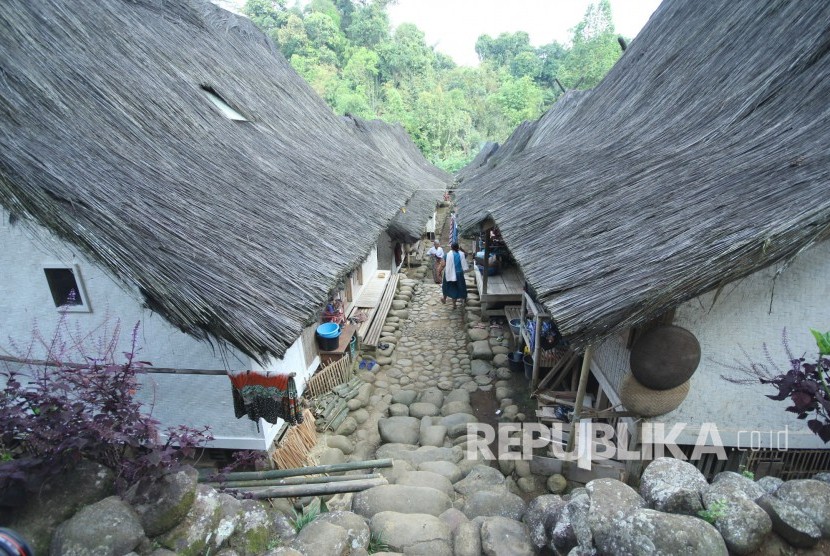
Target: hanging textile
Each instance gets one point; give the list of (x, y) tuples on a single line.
[(266, 395), (453, 228)]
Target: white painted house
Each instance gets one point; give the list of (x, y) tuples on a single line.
[(193, 183)]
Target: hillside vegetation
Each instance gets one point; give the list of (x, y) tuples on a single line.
[(348, 52)]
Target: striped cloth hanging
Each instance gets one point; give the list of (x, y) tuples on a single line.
[(266, 395)]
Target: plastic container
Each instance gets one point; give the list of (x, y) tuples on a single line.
[(328, 336), (514, 361), (329, 330), (516, 326)]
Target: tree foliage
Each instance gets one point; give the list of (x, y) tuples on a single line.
[(348, 52)]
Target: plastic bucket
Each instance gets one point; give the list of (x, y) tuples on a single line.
[(353, 347), (514, 361), (516, 326), (328, 330), (327, 344)]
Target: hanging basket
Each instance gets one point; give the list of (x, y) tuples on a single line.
[(650, 403)]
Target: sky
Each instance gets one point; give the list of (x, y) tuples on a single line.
[(453, 26)]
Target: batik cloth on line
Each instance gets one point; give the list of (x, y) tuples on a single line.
[(266, 395)]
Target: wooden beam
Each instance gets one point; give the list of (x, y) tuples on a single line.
[(537, 352), (486, 272), (293, 491), (297, 471), (580, 394), (148, 369)]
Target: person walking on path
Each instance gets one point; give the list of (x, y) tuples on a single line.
[(436, 254), (453, 284)]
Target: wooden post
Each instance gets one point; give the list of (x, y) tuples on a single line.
[(580, 395), (522, 315), (537, 352), (486, 272)]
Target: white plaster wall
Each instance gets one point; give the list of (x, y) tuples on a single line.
[(385, 252), (745, 316), (26, 300)]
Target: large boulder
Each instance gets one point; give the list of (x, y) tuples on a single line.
[(401, 430), (192, 534), (445, 468), (432, 395), (57, 499), (413, 533), (501, 536), (479, 367), (481, 477), (107, 528), (769, 484), (649, 532), (572, 528), (674, 486), (741, 522), (422, 409), (400, 499), (750, 489), (540, 516), (322, 538), (481, 350), (790, 523), (426, 479), (255, 530), (466, 539), (611, 500), (811, 497), (163, 503), (415, 456), (494, 503)]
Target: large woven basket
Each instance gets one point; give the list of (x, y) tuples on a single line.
[(650, 403)]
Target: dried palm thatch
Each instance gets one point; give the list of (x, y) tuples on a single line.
[(701, 158), (393, 143), (109, 138), (488, 150)]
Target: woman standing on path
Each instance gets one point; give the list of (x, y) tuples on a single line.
[(453, 284), (436, 254)]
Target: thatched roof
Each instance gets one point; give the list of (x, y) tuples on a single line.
[(701, 158), (232, 229), (487, 150), (394, 143)]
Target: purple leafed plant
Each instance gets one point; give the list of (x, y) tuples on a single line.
[(805, 383), (54, 413)]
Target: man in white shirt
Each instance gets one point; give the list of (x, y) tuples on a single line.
[(436, 255)]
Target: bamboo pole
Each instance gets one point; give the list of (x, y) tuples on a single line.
[(486, 271), (584, 373), (292, 481), (317, 469), (537, 352), (292, 491)]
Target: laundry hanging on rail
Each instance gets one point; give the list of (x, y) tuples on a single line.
[(267, 395)]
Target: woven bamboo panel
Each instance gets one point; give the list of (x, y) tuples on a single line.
[(330, 376), (295, 446)]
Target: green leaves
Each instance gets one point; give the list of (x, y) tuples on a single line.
[(822, 341), (344, 49)]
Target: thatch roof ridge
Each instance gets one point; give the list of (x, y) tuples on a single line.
[(701, 158), (227, 228), (480, 159), (393, 142)]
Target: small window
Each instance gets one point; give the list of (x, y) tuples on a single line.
[(226, 109), (67, 288)]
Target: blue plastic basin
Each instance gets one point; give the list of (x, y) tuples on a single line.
[(328, 330)]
